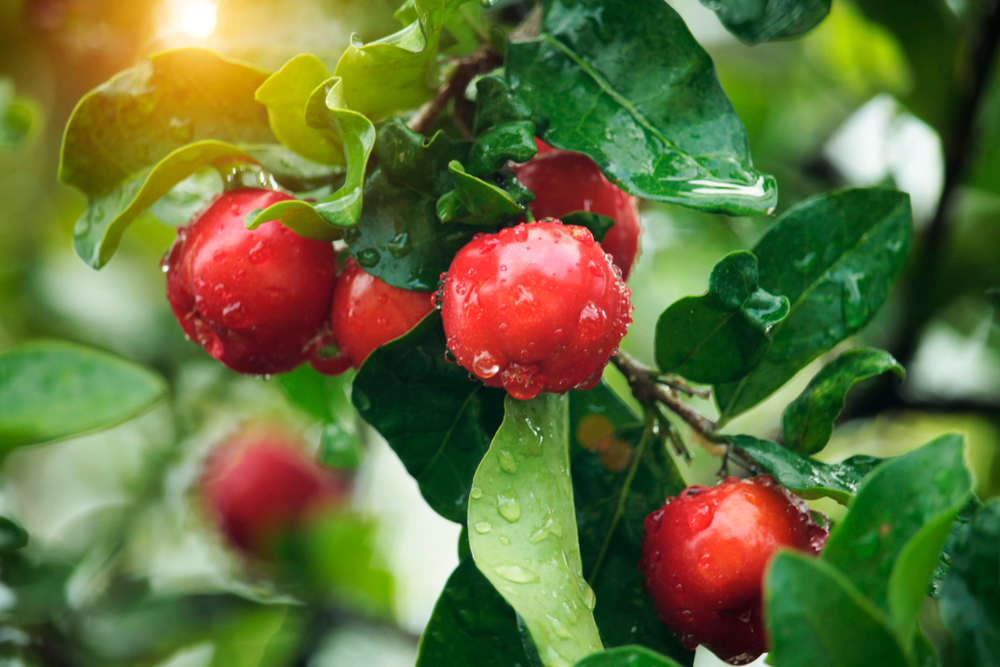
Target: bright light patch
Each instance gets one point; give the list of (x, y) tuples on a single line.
[(198, 18)]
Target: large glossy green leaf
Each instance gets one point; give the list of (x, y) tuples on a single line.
[(970, 593), (889, 543), (409, 159), (400, 239), (756, 21), (723, 335), (285, 94), (633, 656), (51, 390), (625, 82), (471, 625), (16, 116), (439, 423), (807, 477), (510, 141), (807, 422), (523, 529), (403, 64), (325, 219), (817, 618), (835, 257), (619, 477), (476, 202)]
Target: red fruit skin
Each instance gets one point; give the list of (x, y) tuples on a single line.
[(563, 182), (536, 307), (259, 486), (704, 554), (255, 300), (367, 312)]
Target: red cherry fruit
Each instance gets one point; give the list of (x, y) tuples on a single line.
[(563, 182), (255, 300), (367, 312), (704, 554), (536, 307), (259, 486)]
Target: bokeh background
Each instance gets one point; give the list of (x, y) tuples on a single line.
[(123, 566)]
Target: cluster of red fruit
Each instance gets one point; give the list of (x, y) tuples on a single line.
[(537, 307)]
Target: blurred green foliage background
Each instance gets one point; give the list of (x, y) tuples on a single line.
[(124, 568)]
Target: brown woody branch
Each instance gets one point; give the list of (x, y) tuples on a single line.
[(484, 60)]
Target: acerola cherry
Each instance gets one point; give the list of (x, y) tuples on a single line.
[(563, 182), (258, 486), (367, 312), (704, 554), (255, 300), (536, 307)]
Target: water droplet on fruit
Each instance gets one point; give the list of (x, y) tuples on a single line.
[(483, 527), (508, 505), (235, 208), (520, 233), (368, 257), (259, 253), (218, 255), (701, 517), (507, 462), (488, 245), (592, 322), (516, 574), (485, 365)]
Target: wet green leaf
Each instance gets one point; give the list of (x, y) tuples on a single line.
[(338, 448), (618, 478), (471, 625), (970, 593), (835, 258), (889, 543), (400, 239), (16, 115), (523, 529), (476, 202), (403, 63), (325, 219), (51, 390), (496, 105), (807, 477), (409, 159), (439, 423), (511, 141), (807, 422), (817, 618), (755, 21), (286, 94), (633, 656), (624, 82), (723, 335)]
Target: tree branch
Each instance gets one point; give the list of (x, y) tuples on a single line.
[(484, 60)]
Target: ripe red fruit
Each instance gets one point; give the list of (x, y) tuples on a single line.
[(536, 307), (564, 182), (255, 300), (258, 486), (704, 554), (367, 312)]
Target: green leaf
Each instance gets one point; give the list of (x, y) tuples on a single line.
[(834, 257), (476, 202), (969, 595), (620, 475), (497, 105), (510, 141), (889, 543), (597, 224), (286, 94), (325, 219), (51, 390), (756, 21), (817, 618), (403, 64), (624, 82), (807, 422), (523, 529), (338, 448), (322, 397), (409, 159), (400, 239), (13, 536), (471, 625), (723, 335), (16, 115), (633, 656), (807, 477), (145, 116), (438, 422)]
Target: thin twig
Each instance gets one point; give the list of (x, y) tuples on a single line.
[(677, 384), (482, 61)]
